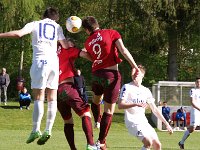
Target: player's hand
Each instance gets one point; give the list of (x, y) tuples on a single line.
[(169, 128)]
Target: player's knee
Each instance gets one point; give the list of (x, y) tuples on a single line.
[(88, 114), (69, 121), (157, 144), (147, 142)]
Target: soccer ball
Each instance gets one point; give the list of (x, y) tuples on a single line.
[(73, 24)]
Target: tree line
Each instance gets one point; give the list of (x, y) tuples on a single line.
[(163, 35)]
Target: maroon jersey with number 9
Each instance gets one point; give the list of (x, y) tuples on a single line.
[(101, 46)]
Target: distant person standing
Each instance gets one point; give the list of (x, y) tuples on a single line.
[(194, 114), (4, 82), (79, 82)]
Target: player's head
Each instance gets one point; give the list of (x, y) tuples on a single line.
[(3, 70), (137, 76), (71, 42), (197, 82), (90, 23), (164, 103), (51, 13)]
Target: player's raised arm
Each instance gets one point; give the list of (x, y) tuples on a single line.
[(158, 114), (124, 51), (13, 34)]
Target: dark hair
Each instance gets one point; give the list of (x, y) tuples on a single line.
[(142, 68), (51, 13), (197, 78), (90, 23)]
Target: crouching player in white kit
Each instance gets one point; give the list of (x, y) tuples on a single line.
[(134, 98), (194, 113)]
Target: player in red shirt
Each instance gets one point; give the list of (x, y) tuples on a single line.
[(103, 46), (68, 96)]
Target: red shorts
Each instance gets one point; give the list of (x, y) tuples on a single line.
[(107, 82), (68, 97)]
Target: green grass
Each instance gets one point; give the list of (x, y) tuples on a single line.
[(15, 127)]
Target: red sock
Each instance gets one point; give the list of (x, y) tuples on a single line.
[(105, 126), (69, 134), (87, 128), (96, 110)]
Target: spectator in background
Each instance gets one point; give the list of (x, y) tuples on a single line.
[(181, 117), (24, 98), (166, 112), (4, 82), (79, 82)]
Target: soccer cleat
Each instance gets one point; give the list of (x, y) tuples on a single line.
[(27, 108), (100, 146), (97, 125), (33, 136), (181, 145), (44, 138), (91, 147), (20, 108)]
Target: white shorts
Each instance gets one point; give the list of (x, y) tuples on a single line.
[(44, 75), (142, 130), (195, 118)]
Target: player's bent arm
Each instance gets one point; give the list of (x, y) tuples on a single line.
[(123, 50), (85, 55), (13, 34), (194, 104), (123, 105), (64, 43)]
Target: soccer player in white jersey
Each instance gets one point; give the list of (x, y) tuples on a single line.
[(134, 98), (194, 113), (44, 71)]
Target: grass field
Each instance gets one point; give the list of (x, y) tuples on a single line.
[(15, 127)]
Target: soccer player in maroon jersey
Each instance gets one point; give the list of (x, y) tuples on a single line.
[(68, 96), (103, 46)]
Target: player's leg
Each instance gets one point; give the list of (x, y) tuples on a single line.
[(97, 89), (186, 135), (38, 113), (194, 122), (83, 110), (5, 94), (51, 115), (111, 91), (96, 109), (65, 112), (0, 92)]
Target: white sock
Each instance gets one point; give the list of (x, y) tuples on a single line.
[(38, 113), (51, 114), (144, 148), (185, 136)]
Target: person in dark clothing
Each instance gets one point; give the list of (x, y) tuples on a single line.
[(80, 84), (166, 112), (4, 82), (24, 99), (181, 116)]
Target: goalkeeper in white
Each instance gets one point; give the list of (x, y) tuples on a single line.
[(134, 98)]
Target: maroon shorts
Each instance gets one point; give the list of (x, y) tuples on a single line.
[(68, 97), (107, 82)]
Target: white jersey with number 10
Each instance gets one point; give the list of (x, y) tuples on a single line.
[(45, 34)]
